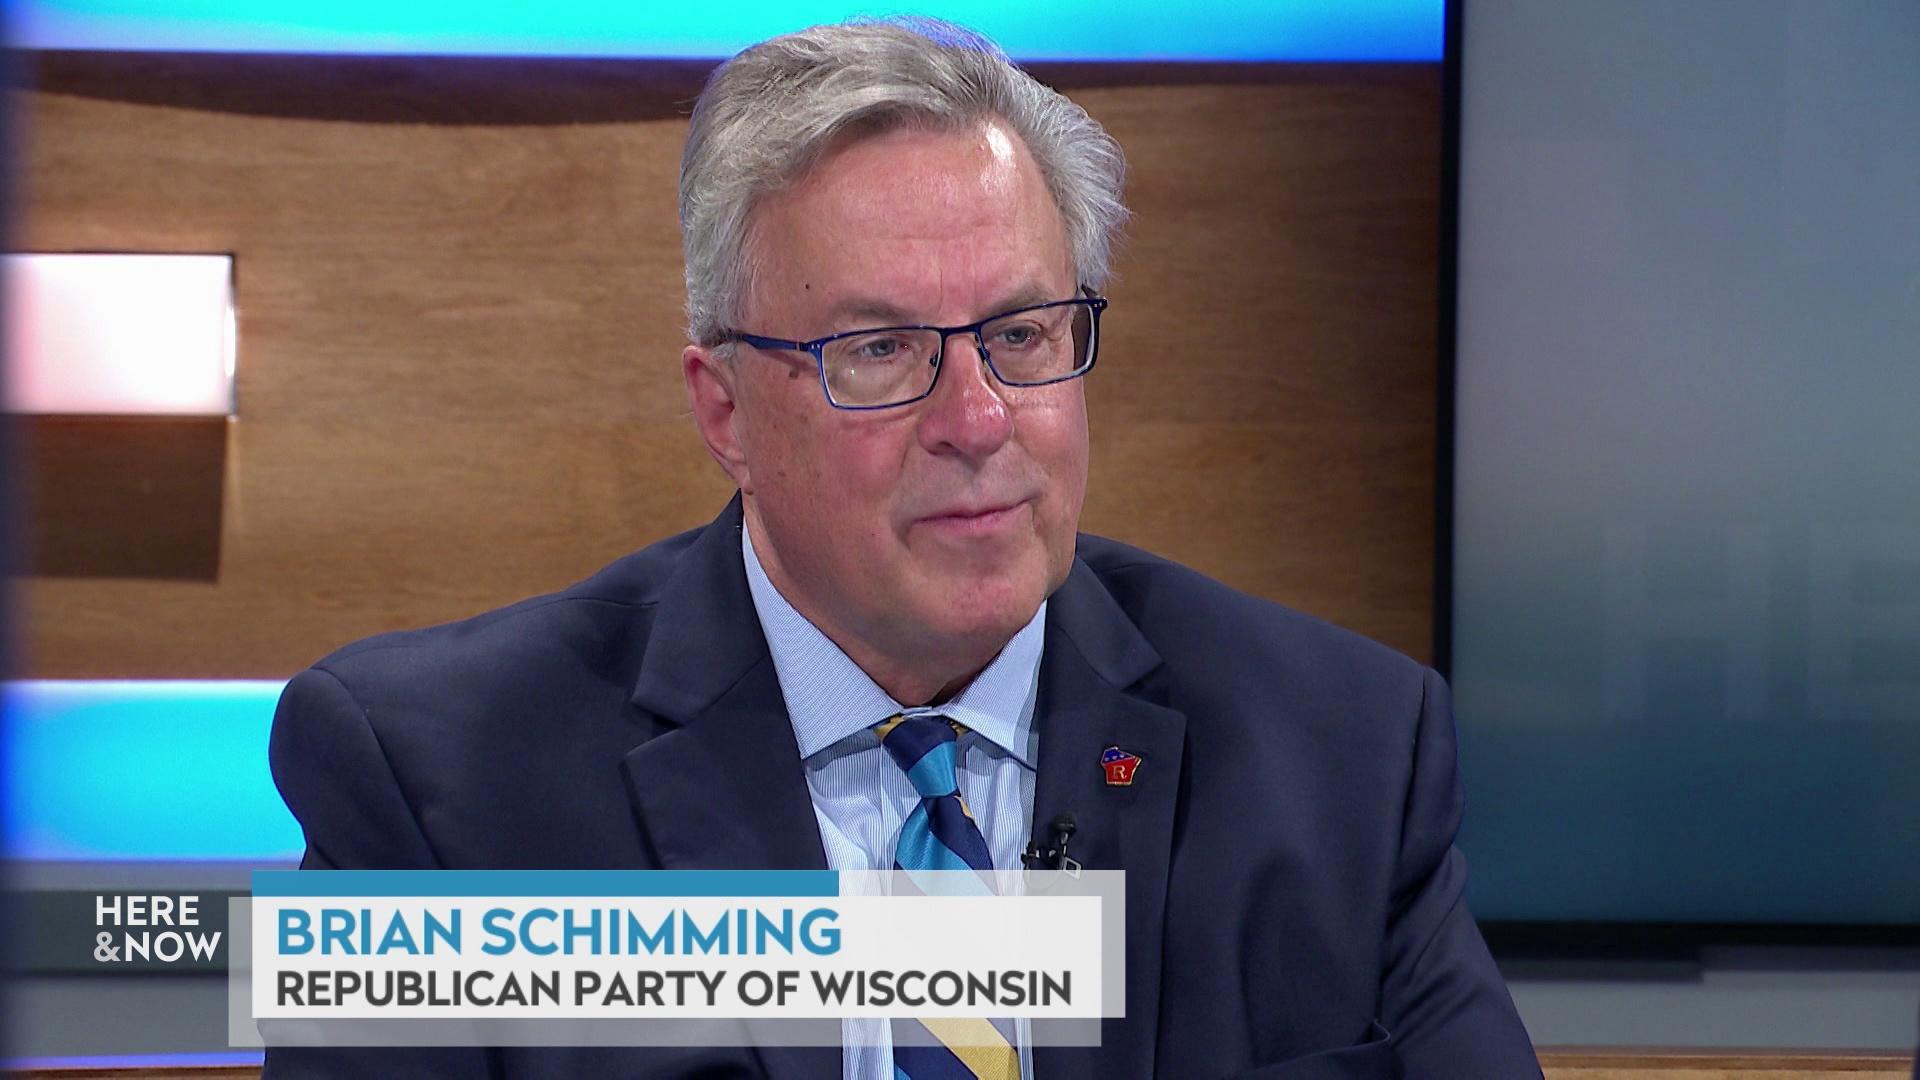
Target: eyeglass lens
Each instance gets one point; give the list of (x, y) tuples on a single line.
[(1024, 347)]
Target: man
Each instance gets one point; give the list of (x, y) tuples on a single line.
[(895, 243)]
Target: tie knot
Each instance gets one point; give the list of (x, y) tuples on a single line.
[(923, 747)]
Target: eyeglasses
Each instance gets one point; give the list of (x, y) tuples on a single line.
[(890, 366)]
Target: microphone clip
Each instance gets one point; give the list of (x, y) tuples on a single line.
[(1053, 854)]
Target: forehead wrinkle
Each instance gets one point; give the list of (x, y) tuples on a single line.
[(929, 226), (978, 195)]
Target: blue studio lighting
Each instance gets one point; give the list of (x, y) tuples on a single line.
[(143, 770), (1111, 30)]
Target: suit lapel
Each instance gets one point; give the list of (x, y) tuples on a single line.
[(1094, 681), (726, 791), (722, 788)]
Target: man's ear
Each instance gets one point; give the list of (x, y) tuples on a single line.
[(711, 393)]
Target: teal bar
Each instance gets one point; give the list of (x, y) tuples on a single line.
[(1123, 30), (142, 770)]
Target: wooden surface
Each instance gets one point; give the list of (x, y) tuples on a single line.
[(459, 298), (1558, 1065)]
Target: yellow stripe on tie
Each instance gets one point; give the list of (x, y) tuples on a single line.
[(959, 732), (978, 1044), (885, 727)]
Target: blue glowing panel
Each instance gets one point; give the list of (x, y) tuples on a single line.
[(1294, 30), (140, 1062), (143, 770)]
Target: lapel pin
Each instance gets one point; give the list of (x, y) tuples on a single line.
[(1120, 766)]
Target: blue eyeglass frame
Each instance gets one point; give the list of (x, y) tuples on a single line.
[(818, 346)]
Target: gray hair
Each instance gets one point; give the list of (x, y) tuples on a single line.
[(769, 113)]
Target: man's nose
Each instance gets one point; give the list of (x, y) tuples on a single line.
[(968, 411)]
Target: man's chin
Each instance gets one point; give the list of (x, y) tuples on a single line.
[(986, 618)]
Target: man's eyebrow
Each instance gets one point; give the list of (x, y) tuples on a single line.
[(1025, 296), (860, 312)]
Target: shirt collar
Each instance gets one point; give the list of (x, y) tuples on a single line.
[(829, 698)]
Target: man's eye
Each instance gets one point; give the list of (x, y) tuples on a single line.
[(878, 348), (1018, 335)]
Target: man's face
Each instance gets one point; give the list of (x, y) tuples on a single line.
[(929, 531)]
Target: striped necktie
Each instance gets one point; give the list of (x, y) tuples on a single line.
[(940, 835)]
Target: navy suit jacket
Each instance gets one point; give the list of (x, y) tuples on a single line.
[(1294, 899)]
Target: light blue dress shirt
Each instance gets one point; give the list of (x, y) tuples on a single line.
[(861, 798)]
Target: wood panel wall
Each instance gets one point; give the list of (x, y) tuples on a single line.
[(459, 296)]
